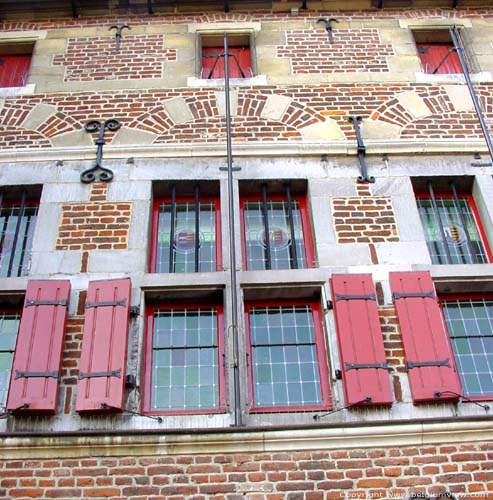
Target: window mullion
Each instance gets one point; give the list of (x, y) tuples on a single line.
[(464, 224), (292, 247), (265, 216), (448, 258), (16, 233), (172, 229), (197, 226)]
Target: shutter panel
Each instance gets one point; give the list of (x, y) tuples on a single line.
[(240, 58), (14, 70), (363, 362), (103, 359), (38, 355), (432, 54), (429, 358)]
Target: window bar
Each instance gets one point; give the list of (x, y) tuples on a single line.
[(469, 245), (24, 245), (197, 226), (448, 258), (265, 217), (22, 209), (292, 248), (172, 229)]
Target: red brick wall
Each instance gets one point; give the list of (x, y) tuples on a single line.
[(464, 470), (96, 58), (96, 225), (354, 50)]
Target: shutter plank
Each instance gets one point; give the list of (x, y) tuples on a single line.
[(101, 385), (39, 347), (429, 357), (360, 340)]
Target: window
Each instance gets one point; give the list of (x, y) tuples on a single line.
[(470, 326), (9, 326), (452, 228), (288, 359), (15, 61), (18, 213), (184, 353), (276, 230), (177, 220), (240, 59)]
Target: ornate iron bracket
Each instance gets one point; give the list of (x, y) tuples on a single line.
[(98, 172), (118, 33), (361, 151), (328, 26)]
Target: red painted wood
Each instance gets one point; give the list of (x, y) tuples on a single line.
[(39, 347), (240, 58), (104, 347), (14, 70), (432, 54), (425, 339), (360, 340)]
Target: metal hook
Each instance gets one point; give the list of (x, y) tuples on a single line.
[(328, 26), (118, 34)]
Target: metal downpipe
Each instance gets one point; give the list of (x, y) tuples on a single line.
[(232, 246), (472, 92)]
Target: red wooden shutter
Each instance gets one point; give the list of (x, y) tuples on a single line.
[(38, 355), (239, 62), (432, 54), (429, 357), (103, 360), (14, 70), (363, 362)]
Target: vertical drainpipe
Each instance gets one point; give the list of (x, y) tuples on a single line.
[(232, 246), (458, 47)]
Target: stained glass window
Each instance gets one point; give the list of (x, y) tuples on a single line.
[(470, 325)]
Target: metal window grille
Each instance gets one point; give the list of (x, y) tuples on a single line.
[(17, 223)]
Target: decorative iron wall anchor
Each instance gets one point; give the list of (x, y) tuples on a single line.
[(328, 26), (364, 177), (98, 172), (118, 33)]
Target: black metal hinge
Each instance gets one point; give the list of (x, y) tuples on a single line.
[(113, 373), (46, 303), (122, 303), (340, 296), (363, 366), (424, 364), (19, 374), (410, 295)]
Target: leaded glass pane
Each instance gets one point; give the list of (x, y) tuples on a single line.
[(455, 233), (285, 364), (185, 360), (470, 326), (280, 235), (9, 326), (183, 242)]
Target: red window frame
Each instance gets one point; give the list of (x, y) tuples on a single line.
[(432, 54), (14, 70), (306, 226), (147, 367), (183, 199), (462, 296), (475, 213), (320, 349), (240, 61)]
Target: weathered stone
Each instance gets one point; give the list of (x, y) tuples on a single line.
[(178, 110), (414, 104), (39, 114), (128, 135), (322, 131), (375, 129), (276, 106)]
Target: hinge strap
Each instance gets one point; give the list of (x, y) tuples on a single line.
[(407, 295), (423, 364), (19, 374), (46, 303), (371, 296), (122, 303), (113, 373), (363, 366)]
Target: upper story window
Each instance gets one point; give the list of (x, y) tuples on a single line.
[(184, 352), (288, 358), (276, 229), (186, 230), (15, 61), (212, 56), (9, 327), (18, 214), (451, 224), (470, 325)]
